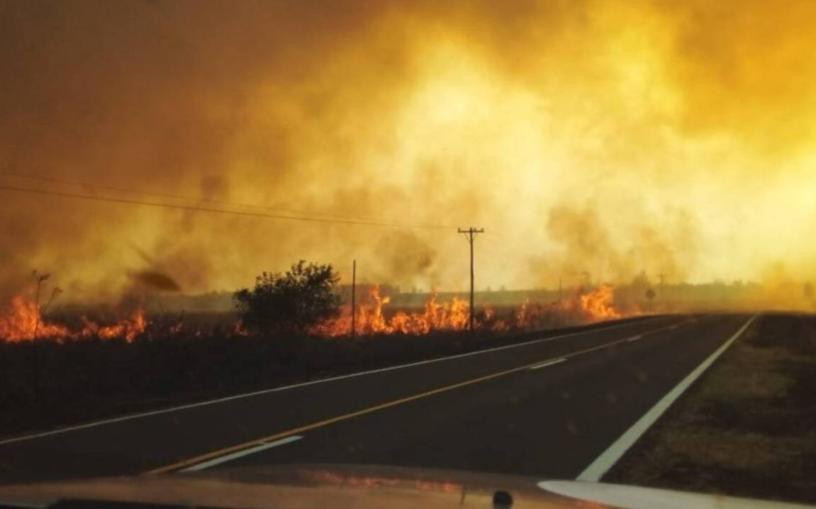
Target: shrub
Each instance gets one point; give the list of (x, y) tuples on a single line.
[(292, 302)]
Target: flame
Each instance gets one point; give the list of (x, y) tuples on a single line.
[(599, 304), (128, 328), (582, 306), (531, 315), (23, 321), (370, 319)]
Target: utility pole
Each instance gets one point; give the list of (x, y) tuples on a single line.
[(353, 298), (559, 291), (662, 294), (39, 278), (470, 233)]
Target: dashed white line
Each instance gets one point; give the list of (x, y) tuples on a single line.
[(635, 338), (246, 452), (549, 363)]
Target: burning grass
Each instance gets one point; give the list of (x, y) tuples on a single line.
[(23, 320), (373, 316)]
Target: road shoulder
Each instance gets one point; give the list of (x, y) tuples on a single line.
[(746, 428)]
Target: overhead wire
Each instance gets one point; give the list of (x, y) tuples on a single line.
[(93, 187), (216, 210)]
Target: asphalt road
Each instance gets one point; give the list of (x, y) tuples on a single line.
[(546, 408)]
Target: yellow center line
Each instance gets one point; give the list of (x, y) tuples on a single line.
[(319, 424)]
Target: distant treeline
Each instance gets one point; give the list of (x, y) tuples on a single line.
[(669, 297)]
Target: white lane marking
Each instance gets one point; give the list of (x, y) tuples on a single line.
[(549, 363), (611, 455), (311, 382), (639, 336), (239, 454)]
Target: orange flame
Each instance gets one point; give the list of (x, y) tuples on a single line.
[(583, 306), (531, 315), (451, 315), (23, 321), (599, 304), (128, 328)]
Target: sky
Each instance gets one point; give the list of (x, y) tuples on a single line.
[(590, 139)]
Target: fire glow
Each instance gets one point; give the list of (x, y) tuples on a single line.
[(371, 317), (23, 321)]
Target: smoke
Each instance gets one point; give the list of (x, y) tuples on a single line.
[(585, 137), (587, 250), (155, 281)]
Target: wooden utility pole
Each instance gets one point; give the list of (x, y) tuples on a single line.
[(559, 291), (470, 233), (353, 298), (662, 295)]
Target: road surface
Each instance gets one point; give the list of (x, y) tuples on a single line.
[(557, 407)]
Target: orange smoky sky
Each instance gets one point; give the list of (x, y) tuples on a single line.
[(599, 137)]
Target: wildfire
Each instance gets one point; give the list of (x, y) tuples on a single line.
[(128, 328), (370, 319), (580, 307), (583, 306), (599, 304), (23, 321), (531, 315)]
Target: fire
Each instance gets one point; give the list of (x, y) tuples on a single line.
[(532, 315), (128, 328), (599, 304), (583, 306), (580, 307), (23, 321), (370, 319)]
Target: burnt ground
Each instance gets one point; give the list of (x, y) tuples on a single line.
[(746, 428)]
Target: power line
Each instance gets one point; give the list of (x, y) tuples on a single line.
[(221, 203), (216, 210)]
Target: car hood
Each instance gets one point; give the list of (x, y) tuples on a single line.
[(316, 486)]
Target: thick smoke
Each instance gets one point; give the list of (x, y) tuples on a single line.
[(593, 137)]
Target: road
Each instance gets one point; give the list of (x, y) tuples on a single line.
[(550, 407)]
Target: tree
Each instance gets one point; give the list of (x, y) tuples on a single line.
[(292, 302)]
